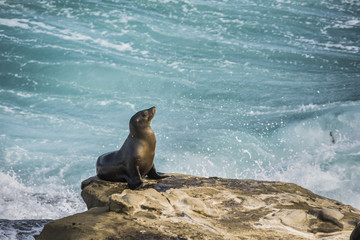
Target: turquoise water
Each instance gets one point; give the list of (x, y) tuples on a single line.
[(243, 89)]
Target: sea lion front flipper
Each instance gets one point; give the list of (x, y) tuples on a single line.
[(153, 174), (134, 180)]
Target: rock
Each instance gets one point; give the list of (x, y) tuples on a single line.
[(130, 201), (88, 181), (96, 192), (295, 219), (189, 207), (252, 203), (331, 215)]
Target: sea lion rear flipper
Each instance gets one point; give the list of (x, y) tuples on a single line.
[(153, 174)]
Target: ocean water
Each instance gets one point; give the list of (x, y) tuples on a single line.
[(243, 89)]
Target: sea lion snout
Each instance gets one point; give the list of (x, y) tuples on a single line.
[(152, 112)]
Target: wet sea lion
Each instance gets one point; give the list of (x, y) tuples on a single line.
[(135, 159)]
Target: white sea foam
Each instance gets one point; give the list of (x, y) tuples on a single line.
[(64, 34), (317, 172), (354, 49), (348, 24), (266, 110), (20, 229), (58, 47), (7, 109), (42, 25), (309, 158), (20, 201), (120, 47), (74, 36), (331, 45), (21, 23), (112, 102)]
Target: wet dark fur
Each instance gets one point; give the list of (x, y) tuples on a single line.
[(135, 159)]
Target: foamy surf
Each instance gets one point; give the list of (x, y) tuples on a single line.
[(50, 201)]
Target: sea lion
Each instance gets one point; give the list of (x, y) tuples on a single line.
[(135, 159)]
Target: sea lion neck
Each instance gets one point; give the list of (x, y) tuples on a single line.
[(143, 132)]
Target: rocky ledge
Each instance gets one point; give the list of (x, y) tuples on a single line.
[(189, 207)]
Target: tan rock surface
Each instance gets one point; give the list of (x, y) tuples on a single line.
[(188, 207)]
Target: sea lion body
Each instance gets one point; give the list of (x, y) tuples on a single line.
[(135, 159)]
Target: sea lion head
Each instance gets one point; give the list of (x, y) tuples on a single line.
[(142, 119)]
